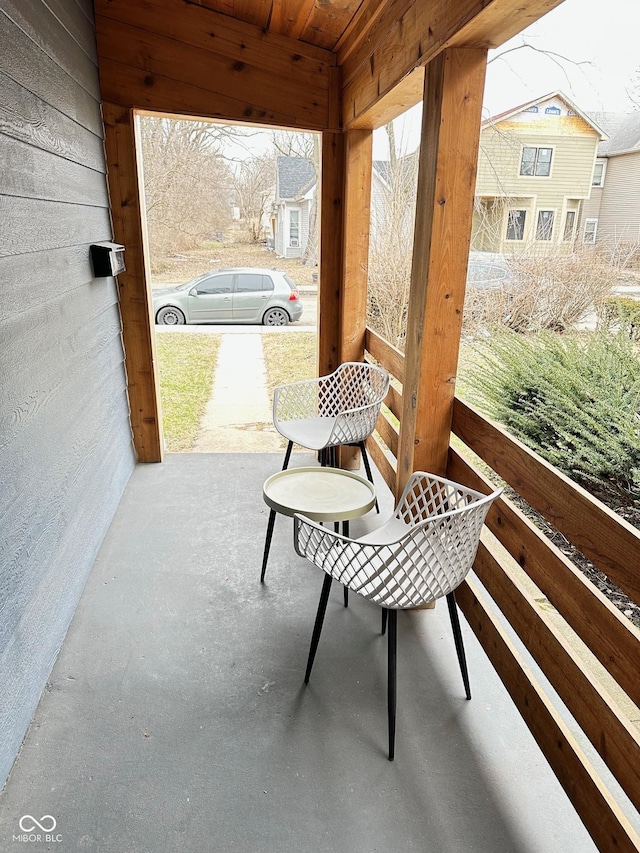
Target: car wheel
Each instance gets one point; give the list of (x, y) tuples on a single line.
[(275, 317), (170, 316)]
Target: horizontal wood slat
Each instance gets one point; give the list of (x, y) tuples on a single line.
[(608, 634), (388, 433), (596, 807), (385, 354), (383, 464), (606, 726), (607, 540)]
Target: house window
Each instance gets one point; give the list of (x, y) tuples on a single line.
[(515, 224), (294, 227), (536, 162), (590, 230), (552, 111), (598, 174), (569, 225), (544, 226)]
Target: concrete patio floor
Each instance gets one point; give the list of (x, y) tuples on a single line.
[(176, 718)]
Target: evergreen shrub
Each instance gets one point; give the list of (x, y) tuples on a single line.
[(623, 314), (572, 398)]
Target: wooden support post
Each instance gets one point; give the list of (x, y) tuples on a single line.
[(355, 261), (134, 291), (357, 204), (331, 246), (452, 106)]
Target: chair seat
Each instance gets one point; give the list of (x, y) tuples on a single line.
[(390, 531), (312, 433)]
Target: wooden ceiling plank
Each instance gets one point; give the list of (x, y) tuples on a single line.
[(328, 21), (358, 28), (204, 27), (124, 85), (410, 33), (158, 56)]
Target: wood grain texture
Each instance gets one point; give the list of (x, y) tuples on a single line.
[(353, 321), (599, 812), (613, 735), (390, 357), (31, 225), (382, 461), (45, 30), (330, 252), (30, 172), (612, 638), (454, 86), (65, 441), (29, 119), (610, 542), (180, 58), (135, 292), (21, 60), (407, 34)]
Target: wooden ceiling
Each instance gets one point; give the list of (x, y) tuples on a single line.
[(322, 23)]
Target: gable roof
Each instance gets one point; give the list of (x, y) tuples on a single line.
[(623, 130), (295, 176), (558, 94)]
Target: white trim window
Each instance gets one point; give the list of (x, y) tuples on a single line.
[(599, 168), (536, 162), (544, 225), (590, 230), (294, 227), (516, 221)]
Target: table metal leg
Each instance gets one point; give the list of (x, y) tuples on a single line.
[(267, 544)]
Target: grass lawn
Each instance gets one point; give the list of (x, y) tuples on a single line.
[(179, 268), (186, 363), (289, 357)]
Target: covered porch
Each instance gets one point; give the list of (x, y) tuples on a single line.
[(176, 717)]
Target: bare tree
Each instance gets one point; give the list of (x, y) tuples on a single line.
[(187, 183), (254, 182), (393, 201)]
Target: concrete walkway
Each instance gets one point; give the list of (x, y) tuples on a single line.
[(238, 415)]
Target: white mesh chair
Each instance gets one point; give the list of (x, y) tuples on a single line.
[(341, 408), (321, 414), (422, 553)]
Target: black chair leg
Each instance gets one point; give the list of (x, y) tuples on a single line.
[(267, 543), (287, 455), (384, 621), (457, 636), (367, 468), (391, 680), (317, 628)]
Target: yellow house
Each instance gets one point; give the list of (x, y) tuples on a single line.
[(535, 169)]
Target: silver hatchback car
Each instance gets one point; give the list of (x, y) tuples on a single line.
[(243, 295)]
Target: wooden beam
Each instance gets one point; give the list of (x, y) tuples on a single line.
[(398, 100), (406, 34), (330, 254), (610, 731), (612, 638), (605, 538), (179, 58), (353, 321), (133, 286), (603, 818), (446, 183)]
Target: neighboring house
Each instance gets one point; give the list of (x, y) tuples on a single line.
[(612, 213), (295, 195), (535, 170)]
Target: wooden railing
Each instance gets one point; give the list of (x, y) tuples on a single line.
[(588, 651)]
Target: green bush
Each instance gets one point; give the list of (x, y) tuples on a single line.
[(622, 313), (573, 399)]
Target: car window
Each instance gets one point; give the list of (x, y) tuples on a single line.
[(215, 284), (253, 283)]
